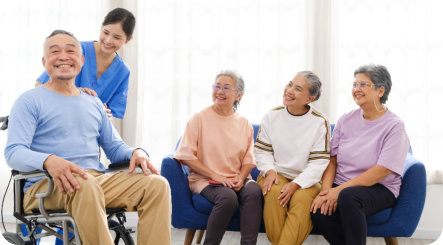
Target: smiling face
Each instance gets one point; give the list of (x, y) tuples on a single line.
[(364, 92), (112, 38), (226, 95), (63, 58), (296, 94)]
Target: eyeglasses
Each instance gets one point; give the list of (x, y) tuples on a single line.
[(361, 85), (225, 89)]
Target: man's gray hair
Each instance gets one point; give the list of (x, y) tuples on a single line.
[(239, 83), (380, 76), (314, 80), (63, 32)]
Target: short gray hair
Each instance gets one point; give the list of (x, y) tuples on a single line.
[(62, 32), (239, 83), (379, 75), (314, 80)]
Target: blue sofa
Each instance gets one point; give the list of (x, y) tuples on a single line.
[(191, 211)]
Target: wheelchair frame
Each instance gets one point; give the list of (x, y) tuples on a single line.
[(44, 219), (52, 220)]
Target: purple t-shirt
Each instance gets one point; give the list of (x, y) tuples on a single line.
[(360, 144)]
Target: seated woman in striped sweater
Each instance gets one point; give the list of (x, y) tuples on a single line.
[(292, 152)]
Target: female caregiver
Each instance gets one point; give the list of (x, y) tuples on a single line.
[(104, 73)]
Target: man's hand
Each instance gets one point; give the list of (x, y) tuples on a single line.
[(271, 178), (62, 171), (139, 157), (286, 193)]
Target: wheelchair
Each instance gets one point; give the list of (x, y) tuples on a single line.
[(30, 227)]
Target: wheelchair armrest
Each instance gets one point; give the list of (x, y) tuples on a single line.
[(122, 165), (18, 176)]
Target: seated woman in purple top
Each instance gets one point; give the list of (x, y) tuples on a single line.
[(104, 73), (368, 152)]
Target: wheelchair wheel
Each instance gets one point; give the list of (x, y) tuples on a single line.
[(119, 233)]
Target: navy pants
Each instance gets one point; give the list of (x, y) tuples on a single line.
[(348, 224)]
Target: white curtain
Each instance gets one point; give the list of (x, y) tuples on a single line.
[(24, 25), (183, 44), (180, 45), (406, 37)]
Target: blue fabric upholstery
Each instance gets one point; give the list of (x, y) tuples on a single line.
[(405, 215), (191, 211)]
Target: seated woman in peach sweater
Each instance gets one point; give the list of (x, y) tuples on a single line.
[(218, 145)]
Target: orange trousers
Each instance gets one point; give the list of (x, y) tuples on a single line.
[(291, 224)]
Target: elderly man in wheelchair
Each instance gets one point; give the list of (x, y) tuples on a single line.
[(58, 129)]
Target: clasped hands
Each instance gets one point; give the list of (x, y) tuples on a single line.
[(235, 182), (62, 171), (326, 201)]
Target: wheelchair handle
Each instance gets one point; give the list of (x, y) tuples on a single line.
[(4, 120)]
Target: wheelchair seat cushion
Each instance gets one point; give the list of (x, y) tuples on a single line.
[(37, 211)]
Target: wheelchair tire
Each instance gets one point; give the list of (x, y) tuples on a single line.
[(120, 234)]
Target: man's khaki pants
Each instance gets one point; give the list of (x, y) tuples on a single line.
[(290, 224), (148, 195)]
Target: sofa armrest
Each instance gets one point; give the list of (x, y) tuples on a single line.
[(172, 170), (184, 214), (407, 210)]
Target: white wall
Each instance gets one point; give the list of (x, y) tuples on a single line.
[(431, 222)]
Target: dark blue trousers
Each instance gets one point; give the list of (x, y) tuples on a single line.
[(348, 224)]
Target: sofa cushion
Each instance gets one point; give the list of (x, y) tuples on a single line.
[(379, 217), (202, 205)]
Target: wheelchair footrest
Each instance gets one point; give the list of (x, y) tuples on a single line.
[(14, 238)]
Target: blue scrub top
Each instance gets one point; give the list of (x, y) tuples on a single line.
[(111, 87)]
